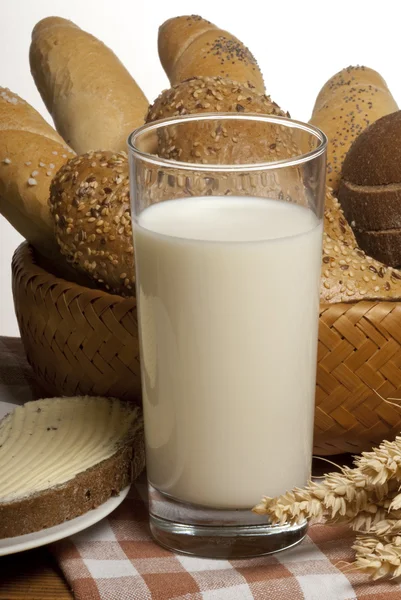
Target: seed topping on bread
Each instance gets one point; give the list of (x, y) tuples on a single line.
[(90, 205)]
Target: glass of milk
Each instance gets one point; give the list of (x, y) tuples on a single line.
[(227, 218)]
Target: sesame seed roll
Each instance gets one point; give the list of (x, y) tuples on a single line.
[(89, 202)]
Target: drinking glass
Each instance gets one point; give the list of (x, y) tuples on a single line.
[(227, 213)]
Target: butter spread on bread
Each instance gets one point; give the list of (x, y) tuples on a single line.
[(60, 457)]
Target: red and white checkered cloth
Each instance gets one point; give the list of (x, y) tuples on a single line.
[(117, 559)]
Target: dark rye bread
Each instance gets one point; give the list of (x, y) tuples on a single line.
[(370, 207), (384, 245), (86, 490), (370, 189)]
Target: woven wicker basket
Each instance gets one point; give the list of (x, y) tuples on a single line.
[(359, 360), (77, 340), (84, 341)]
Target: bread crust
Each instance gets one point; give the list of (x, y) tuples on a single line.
[(346, 105), (191, 46), (382, 245), (31, 152), (374, 158), (371, 208), (84, 492), (211, 142), (89, 202), (370, 189), (94, 101)]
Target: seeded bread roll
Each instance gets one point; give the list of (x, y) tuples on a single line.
[(90, 206), (349, 102), (370, 189), (190, 46), (348, 274), (211, 142), (94, 101), (31, 152)]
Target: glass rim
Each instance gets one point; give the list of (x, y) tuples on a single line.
[(236, 167)]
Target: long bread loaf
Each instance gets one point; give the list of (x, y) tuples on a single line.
[(31, 152), (190, 46), (94, 101)]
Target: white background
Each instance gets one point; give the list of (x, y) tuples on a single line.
[(298, 44)]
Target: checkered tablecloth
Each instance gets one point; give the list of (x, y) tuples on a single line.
[(117, 559)]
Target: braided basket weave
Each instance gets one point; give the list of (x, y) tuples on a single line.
[(359, 365), (77, 340), (84, 341)]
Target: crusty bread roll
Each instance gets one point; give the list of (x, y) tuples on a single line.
[(190, 46), (94, 101), (349, 102), (31, 152), (348, 274), (90, 206), (370, 189), (210, 143), (61, 457)]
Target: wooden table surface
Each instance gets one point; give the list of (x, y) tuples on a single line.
[(32, 575)]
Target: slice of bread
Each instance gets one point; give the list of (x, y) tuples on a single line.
[(61, 457)]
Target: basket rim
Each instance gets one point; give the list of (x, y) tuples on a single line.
[(323, 306), (26, 252)]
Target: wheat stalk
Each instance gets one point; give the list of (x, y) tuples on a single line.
[(366, 497), (378, 556)]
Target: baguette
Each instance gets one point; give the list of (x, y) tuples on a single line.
[(31, 152), (190, 46), (47, 478), (94, 101), (349, 101)]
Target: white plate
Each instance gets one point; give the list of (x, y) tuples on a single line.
[(59, 532)]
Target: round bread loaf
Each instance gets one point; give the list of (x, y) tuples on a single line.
[(215, 142), (89, 201), (370, 189)]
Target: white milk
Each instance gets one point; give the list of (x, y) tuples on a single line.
[(228, 298)]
